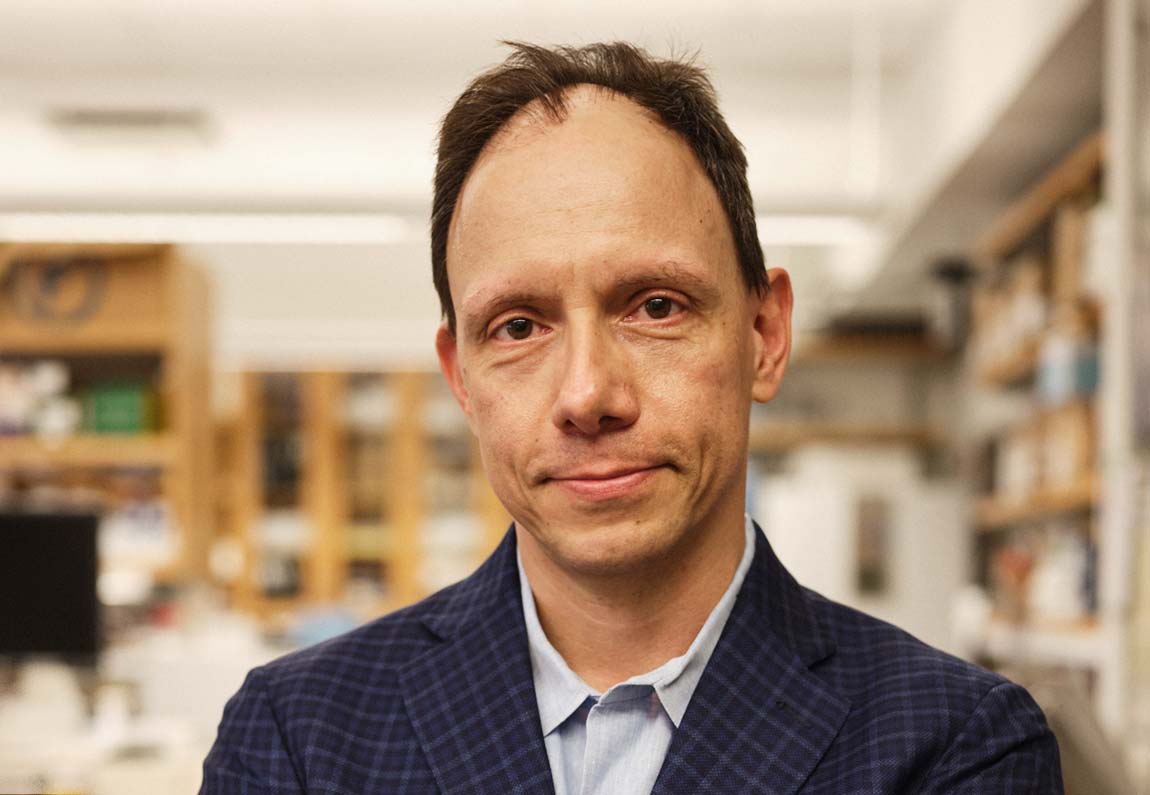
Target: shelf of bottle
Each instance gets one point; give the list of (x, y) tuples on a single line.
[(994, 513), (92, 450)]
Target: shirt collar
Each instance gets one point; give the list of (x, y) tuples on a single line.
[(559, 691)]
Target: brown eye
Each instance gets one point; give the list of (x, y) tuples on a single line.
[(519, 328), (659, 307)]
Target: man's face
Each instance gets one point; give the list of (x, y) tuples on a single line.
[(606, 349)]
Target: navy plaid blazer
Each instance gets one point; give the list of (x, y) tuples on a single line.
[(801, 694)]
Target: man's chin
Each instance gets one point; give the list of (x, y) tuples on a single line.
[(604, 549)]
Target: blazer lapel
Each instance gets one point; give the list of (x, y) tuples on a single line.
[(471, 698), (759, 720)]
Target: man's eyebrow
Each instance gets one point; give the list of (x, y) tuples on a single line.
[(670, 272)]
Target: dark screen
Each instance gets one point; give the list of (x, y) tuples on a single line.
[(48, 602)]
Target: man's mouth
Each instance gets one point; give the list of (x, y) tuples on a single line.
[(604, 483)]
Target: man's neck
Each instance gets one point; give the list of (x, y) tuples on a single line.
[(611, 628)]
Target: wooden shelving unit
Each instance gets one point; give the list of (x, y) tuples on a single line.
[(1071, 126), (1056, 496), (140, 301), (364, 493)]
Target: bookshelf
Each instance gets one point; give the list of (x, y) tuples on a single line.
[(92, 318), (1039, 330)]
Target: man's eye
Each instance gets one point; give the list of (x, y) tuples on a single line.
[(659, 307), (518, 328)]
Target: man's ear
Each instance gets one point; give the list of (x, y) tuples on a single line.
[(772, 334), (447, 348)]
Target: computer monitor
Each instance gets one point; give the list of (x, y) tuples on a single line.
[(48, 600)]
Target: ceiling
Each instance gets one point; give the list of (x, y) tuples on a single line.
[(430, 38), (332, 106)]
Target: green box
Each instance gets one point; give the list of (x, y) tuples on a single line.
[(120, 408)]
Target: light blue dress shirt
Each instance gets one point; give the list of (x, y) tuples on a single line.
[(615, 742)]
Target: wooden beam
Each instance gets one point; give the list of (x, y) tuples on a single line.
[(324, 467), (104, 251), (816, 348), (1070, 178), (994, 513), (406, 485), (248, 488), (89, 450)]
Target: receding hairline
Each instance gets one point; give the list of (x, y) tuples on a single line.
[(546, 112)]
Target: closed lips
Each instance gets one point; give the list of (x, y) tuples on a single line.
[(604, 475)]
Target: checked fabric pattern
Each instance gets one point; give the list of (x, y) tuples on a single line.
[(801, 695)]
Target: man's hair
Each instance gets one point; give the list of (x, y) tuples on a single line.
[(677, 91)]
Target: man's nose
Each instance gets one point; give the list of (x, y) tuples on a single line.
[(596, 390)]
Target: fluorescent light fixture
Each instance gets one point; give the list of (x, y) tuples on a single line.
[(811, 230), (132, 126), (304, 228)]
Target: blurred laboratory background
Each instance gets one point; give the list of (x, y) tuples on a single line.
[(223, 434)]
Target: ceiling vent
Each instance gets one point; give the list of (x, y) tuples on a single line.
[(132, 127)]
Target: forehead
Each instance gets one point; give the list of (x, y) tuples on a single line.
[(573, 198)]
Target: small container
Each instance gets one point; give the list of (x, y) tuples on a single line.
[(1067, 360)]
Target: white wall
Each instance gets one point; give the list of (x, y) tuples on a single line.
[(315, 306), (809, 515)]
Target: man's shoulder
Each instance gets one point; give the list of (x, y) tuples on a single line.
[(360, 673), (279, 729), (950, 724), (372, 653), (874, 659)]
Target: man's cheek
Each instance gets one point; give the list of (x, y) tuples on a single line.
[(694, 383), (485, 404), (504, 438)]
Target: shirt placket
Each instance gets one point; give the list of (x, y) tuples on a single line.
[(614, 723)]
